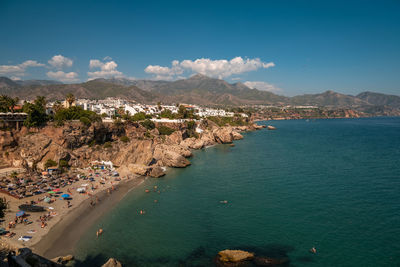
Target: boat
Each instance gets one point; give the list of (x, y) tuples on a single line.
[(270, 127)]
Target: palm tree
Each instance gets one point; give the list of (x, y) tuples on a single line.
[(70, 98)]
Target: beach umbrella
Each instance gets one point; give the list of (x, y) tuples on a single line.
[(65, 195), (47, 199), (51, 192), (20, 213)]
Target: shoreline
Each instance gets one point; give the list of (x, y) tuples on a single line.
[(64, 235)]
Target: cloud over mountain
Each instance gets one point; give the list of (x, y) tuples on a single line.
[(66, 77), (107, 69), (19, 70), (220, 68), (262, 86)]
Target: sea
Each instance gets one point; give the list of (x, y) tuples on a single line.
[(332, 184)]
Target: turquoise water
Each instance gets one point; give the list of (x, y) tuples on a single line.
[(333, 184)]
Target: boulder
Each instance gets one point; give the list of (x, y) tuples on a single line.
[(192, 143), (171, 156), (223, 135), (138, 169), (175, 138), (236, 135), (156, 171), (112, 263)]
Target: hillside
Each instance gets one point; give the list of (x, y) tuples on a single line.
[(380, 99), (198, 89)]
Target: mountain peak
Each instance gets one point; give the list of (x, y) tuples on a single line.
[(199, 76)]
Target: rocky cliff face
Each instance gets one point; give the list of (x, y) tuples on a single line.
[(145, 153)]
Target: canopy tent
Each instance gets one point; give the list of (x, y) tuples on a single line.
[(65, 195)]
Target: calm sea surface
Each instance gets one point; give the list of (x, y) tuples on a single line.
[(333, 184)]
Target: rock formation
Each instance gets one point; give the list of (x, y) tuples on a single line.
[(145, 153), (112, 263)]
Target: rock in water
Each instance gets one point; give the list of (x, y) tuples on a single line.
[(112, 263), (234, 256)]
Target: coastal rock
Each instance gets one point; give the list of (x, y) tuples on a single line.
[(112, 263), (63, 259), (174, 138), (192, 143), (138, 169), (234, 258), (236, 135), (172, 156), (223, 135), (156, 171)]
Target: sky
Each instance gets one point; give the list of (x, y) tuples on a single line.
[(286, 47)]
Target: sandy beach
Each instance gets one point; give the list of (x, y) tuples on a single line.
[(66, 224)]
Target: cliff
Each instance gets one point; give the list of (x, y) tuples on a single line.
[(141, 151)]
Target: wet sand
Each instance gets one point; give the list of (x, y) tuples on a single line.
[(63, 237)]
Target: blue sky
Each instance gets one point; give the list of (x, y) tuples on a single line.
[(288, 47)]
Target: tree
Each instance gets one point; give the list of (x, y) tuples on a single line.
[(57, 106), (36, 112), (7, 103), (70, 98), (159, 106)]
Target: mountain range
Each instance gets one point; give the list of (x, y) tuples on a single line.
[(198, 89)]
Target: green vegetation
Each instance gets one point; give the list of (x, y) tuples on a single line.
[(63, 164), (166, 113), (36, 112), (107, 145), (164, 130), (191, 129), (148, 124), (50, 163), (76, 113), (7, 103), (85, 121), (232, 121), (125, 139)]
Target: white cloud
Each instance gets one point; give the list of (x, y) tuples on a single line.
[(66, 77), (263, 86), (107, 69), (221, 68), (107, 58), (59, 61), (19, 70)]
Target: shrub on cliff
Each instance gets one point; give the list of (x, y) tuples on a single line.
[(63, 164), (148, 124), (50, 163), (85, 121), (107, 145), (125, 139), (164, 130)]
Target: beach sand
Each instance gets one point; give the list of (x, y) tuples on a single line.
[(64, 230)]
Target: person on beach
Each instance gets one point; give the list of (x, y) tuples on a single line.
[(99, 232)]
